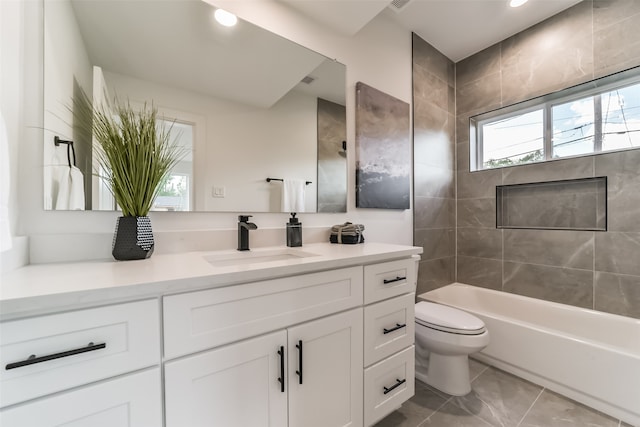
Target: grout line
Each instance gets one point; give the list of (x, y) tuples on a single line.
[(480, 374), (435, 412), (547, 265), (450, 400), (530, 407), (465, 411)]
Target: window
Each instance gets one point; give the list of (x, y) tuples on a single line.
[(174, 193), (602, 115)]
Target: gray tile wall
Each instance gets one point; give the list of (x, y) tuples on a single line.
[(434, 164), (599, 270)]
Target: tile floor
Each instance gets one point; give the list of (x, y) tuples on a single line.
[(497, 399)]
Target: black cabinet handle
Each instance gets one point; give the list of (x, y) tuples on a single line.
[(397, 279), (281, 378), (398, 326), (299, 372), (397, 384), (31, 360)]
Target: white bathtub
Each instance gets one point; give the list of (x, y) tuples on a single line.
[(589, 356)]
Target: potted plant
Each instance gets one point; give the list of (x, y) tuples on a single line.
[(135, 155)]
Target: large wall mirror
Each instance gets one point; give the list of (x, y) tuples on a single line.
[(248, 104)]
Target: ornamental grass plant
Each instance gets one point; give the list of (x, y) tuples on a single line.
[(134, 152)]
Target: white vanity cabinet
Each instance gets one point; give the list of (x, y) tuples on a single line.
[(307, 375), (299, 351), (319, 341)]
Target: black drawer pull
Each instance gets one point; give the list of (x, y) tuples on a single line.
[(396, 385), (397, 279), (299, 372), (398, 326), (33, 359), (281, 378)]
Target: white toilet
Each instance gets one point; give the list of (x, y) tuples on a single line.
[(445, 336)]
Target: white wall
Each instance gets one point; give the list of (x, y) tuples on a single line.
[(67, 64), (11, 104), (379, 55)]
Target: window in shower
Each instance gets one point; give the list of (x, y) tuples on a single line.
[(598, 116)]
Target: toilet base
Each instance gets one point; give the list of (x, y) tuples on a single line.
[(449, 374)]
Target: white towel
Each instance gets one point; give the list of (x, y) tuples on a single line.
[(5, 187), (293, 195), (70, 186)]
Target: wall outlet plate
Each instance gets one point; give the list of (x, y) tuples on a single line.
[(218, 192)]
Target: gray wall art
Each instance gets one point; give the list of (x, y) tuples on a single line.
[(383, 146)]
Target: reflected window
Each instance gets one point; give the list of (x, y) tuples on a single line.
[(556, 126), (175, 191)]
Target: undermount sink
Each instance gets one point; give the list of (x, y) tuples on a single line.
[(255, 257)]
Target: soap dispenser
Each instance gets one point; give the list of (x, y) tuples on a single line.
[(294, 231)]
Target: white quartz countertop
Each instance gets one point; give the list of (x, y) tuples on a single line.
[(42, 288)]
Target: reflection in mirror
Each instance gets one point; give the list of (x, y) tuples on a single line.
[(249, 104)]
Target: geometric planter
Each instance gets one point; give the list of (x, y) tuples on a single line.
[(133, 238)]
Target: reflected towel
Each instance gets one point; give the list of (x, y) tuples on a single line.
[(293, 195), (70, 184), (5, 186)]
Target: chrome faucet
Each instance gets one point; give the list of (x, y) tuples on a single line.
[(243, 231)]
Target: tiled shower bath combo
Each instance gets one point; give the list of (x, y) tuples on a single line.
[(455, 209)]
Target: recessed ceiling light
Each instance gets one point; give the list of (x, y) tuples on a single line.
[(225, 18), (517, 3)]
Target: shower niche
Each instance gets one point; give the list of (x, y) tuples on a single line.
[(575, 204)]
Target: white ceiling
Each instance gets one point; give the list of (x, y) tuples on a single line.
[(457, 28), (345, 16)]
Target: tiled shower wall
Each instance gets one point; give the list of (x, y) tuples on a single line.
[(434, 164), (599, 270)]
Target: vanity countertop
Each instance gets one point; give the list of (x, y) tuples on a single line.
[(42, 288)]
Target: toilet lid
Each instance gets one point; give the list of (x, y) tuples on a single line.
[(448, 319)]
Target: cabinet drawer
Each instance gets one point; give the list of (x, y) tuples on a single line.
[(130, 401), (200, 320), (389, 279), (389, 326), (76, 348), (388, 384)]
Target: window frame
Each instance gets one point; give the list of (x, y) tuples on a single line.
[(595, 88)]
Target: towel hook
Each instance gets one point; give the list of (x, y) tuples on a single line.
[(70, 150)]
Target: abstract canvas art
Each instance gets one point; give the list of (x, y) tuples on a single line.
[(383, 146)]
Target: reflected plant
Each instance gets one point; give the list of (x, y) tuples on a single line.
[(134, 152)]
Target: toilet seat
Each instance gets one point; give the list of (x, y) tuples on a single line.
[(447, 319)]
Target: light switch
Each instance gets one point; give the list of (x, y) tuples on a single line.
[(218, 192)]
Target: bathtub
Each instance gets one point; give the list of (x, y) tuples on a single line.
[(589, 356)]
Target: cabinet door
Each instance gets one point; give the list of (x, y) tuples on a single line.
[(130, 401), (325, 374), (232, 386)]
